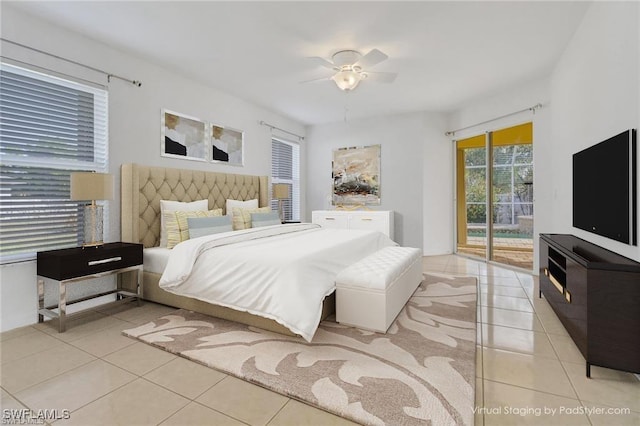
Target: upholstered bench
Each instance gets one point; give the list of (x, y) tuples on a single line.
[(371, 292)]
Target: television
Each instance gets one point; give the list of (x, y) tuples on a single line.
[(605, 188)]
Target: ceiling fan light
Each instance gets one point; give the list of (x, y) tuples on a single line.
[(347, 80)]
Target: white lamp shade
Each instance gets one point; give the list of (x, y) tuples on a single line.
[(347, 80), (91, 186)]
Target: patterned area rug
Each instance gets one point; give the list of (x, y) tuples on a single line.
[(422, 371)]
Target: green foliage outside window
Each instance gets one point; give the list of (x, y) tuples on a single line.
[(509, 162)]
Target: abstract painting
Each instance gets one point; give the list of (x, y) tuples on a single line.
[(183, 136), (226, 145), (356, 176)]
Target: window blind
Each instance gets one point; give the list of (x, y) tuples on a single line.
[(49, 128), (285, 168)]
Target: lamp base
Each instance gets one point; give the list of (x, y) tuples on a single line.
[(280, 211), (93, 220), (94, 244)]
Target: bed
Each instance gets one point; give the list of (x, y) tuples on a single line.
[(142, 189)]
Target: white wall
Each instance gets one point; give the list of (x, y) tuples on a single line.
[(595, 90), (134, 125), (410, 144), (437, 192)]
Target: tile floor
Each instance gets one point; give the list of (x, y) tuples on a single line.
[(529, 372)]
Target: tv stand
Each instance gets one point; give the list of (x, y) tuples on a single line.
[(596, 295)]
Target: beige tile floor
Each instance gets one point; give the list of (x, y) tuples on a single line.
[(529, 372)]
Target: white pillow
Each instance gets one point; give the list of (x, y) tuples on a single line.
[(244, 205), (172, 206)]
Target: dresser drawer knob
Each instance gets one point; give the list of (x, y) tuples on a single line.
[(101, 261)]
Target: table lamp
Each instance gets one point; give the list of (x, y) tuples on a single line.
[(280, 193), (89, 186)]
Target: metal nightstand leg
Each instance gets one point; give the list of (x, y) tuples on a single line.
[(40, 299), (62, 294), (139, 286), (62, 308)]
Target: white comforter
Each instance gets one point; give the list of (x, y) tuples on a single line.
[(281, 272)]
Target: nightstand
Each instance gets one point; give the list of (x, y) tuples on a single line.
[(75, 265)]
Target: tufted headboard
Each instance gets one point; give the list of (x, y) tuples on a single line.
[(143, 187)]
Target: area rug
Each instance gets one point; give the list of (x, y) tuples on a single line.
[(422, 371)]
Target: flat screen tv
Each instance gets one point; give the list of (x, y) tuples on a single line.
[(605, 188)]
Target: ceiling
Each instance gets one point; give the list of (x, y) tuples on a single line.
[(447, 54)]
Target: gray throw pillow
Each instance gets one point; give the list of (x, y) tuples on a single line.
[(201, 226)]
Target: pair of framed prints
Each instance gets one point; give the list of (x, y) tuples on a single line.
[(190, 138)]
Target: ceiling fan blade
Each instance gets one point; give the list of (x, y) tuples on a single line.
[(322, 62), (372, 58), (381, 77), (313, 80)]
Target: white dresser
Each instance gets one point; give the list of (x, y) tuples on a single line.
[(379, 220)]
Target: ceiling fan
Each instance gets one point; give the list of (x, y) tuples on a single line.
[(351, 67)]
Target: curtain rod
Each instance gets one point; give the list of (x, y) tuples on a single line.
[(109, 75), (272, 127), (532, 109), (13, 61)]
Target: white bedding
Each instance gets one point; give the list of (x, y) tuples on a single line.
[(281, 272), (155, 259)]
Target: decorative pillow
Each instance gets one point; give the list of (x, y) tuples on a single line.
[(242, 217), (249, 204), (172, 206), (201, 226), (183, 223), (178, 227), (265, 219), (172, 229)]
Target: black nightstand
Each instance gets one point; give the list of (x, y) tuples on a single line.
[(77, 264)]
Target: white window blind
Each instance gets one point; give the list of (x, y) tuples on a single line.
[(49, 127), (285, 168)]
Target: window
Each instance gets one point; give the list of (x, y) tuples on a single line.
[(285, 168), (49, 127)]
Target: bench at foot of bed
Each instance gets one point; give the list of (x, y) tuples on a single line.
[(372, 292)]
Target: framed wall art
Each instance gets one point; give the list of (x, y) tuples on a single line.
[(183, 136), (356, 176), (227, 145)]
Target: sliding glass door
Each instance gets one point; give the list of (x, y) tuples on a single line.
[(495, 196), (471, 159)]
